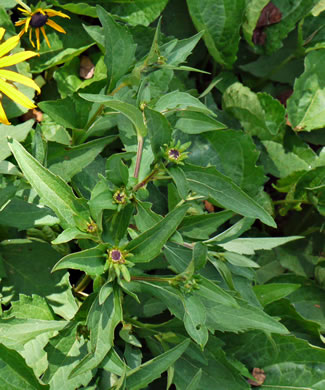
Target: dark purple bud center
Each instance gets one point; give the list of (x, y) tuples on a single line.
[(119, 197), (38, 20), (116, 255), (174, 154)]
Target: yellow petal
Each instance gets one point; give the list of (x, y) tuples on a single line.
[(23, 10), (55, 26), (51, 13), (30, 37), (8, 45), (37, 37), (19, 78), (3, 116), (2, 32), (27, 23), (16, 58), (20, 22), (45, 36), (15, 95)]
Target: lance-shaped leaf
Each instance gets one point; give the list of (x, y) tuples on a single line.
[(141, 376), (54, 192), (14, 372), (149, 244), (211, 183), (91, 261), (128, 110), (119, 47)]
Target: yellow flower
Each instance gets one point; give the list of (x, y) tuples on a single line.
[(7, 76), (37, 19)]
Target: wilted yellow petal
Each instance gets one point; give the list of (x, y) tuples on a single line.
[(16, 58), (19, 78), (55, 26), (3, 116), (8, 45), (51, 12), (15, 95), (45, 36), (2, 32)]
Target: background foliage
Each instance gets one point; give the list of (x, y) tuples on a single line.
[(222, 250)]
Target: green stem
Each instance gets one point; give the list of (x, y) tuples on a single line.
[(284, 201), (82, 284)]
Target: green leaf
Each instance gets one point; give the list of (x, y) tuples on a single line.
[(221, 21), (159, 130), (148, 245), (288, 362), (211, 183), (119, 48), (67, 162), (116, 171), (115, 224), (248, 246), (305, 106), (64, 351), (233, 232), (130, 111), (15, 374), (197, 123), (18, 132), (180, 101), (259, 114), (51, 188), (269, 293), (91, 261), (141, 376), (30, 307), (194, 319), (252, 14), (36, 278), (201, 226), (179, 179), (102, 321), (14, 332)]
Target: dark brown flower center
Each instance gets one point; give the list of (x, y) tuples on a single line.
[(173, 153), (38, 20), (115, 255)]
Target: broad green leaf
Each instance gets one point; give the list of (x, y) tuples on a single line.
[(71, 234), (201, 226), (287, 361), (318, 8), (91, 261), (197, 123), (102, 321), (119, 46), (18, 132), (115, 224), (180, 181), (211, 183), (148, 245), (116, 171), (271, 292), (239, 260), (285, 162), (141, 376), (259, 114), (15, 332), (51, 188), (130, 111), (248, 246), (252, 14), (199, 258), (145, 218), (68, 162), (64, 352), (233, 232), (36, 278), (30, 307), (221, 21), (180, 101), (24, 215), (305, 106), (14, 372)]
